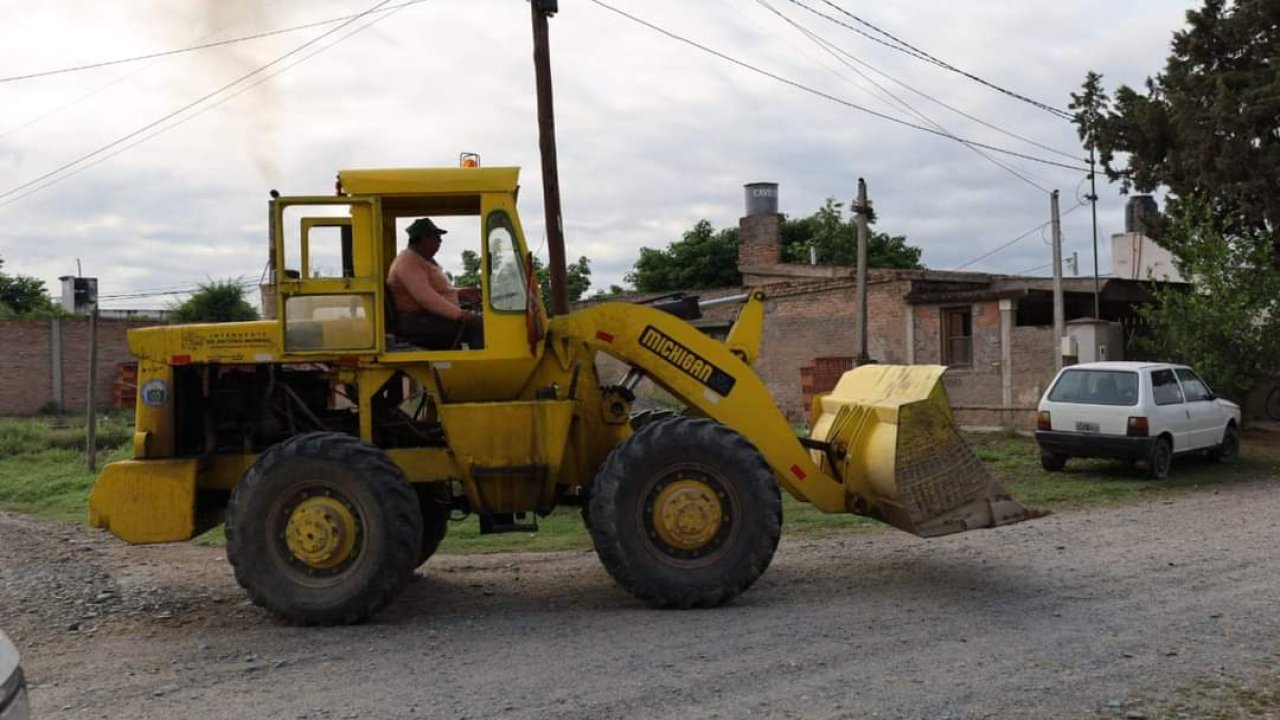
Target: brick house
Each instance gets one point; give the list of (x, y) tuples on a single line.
[(995, 332)]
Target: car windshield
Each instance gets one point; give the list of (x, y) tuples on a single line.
[(1096, 387)]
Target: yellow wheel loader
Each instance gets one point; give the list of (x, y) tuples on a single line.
[(337, 453)]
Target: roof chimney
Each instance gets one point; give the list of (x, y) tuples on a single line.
[(760, 231)]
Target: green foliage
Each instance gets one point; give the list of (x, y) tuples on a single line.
[(216, 301), (470, 277), (24, 296), (22, 437), (42, 468), (703, 258), (1227, 324), (708, 258), (836, 240), (1205, 127), (611, 292)]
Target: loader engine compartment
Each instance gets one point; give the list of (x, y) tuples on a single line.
[(234, 409)]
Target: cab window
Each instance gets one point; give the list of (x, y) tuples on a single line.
[(508, 290)]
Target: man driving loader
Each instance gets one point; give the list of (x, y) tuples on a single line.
[(428, 308)]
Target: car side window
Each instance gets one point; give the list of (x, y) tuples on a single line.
[(1194, 387), (1164, 388)]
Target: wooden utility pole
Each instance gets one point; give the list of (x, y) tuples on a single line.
[(863, 212), (1093, 200), (1059, 313), (91, 410), (542, 9)]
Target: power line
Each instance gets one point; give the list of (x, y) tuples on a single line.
[(826, 96), (183, 109), (244, 284), (909, 49), (1038, 267), (111, 83), (837, 52), (952, 108), (1005, 246), (202, 46)]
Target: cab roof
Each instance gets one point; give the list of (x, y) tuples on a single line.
[(429, 181)]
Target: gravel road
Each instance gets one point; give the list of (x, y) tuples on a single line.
[(1135, 611)]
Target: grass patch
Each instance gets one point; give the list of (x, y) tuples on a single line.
[(27, 436), (42, 473), (42, 463), (1015, 460)]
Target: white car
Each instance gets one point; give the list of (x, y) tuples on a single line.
[(13, 690), (1138, 411)]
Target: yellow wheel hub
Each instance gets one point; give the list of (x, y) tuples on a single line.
[(687, 514), (321, 532)]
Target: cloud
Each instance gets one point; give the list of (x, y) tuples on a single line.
[(653, 135)]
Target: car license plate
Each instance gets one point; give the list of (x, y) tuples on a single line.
[(1088, 427)]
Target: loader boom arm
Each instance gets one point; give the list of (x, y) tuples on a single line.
[(709, 376)]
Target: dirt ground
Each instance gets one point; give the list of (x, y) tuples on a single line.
[(1126, 612)]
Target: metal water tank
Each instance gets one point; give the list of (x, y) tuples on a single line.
[(762, 198), (1137, 210)]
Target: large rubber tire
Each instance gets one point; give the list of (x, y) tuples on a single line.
[(336, 468), (1229, 449), (1160, 461), (435, 510), (700, 453)]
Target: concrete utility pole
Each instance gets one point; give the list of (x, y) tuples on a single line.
[(862, 211), (91, 410), (1059, 313), (542, 9)]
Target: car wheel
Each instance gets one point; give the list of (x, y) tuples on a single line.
[(1229, 449), (1160, 460), (1053, 462)]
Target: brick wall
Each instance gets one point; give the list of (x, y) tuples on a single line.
[(980, 383), (25, 366), (26, 362), (759, 240), (1032, 364)]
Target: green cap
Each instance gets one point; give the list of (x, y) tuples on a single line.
[(423, 226)]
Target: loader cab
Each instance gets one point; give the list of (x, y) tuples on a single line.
[(332, 255)]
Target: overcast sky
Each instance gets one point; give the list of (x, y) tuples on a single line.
[(653, 134)]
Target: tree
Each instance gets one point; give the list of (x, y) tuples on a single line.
[(23, 295), (836, 241), (215, 301), (1227, 324), (613, 290), (1206, 127), (703, 258), (708, 258), (470, 276)]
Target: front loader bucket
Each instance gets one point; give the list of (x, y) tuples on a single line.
[(895, 447)]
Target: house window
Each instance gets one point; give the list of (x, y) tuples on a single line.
[(957, 337)]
